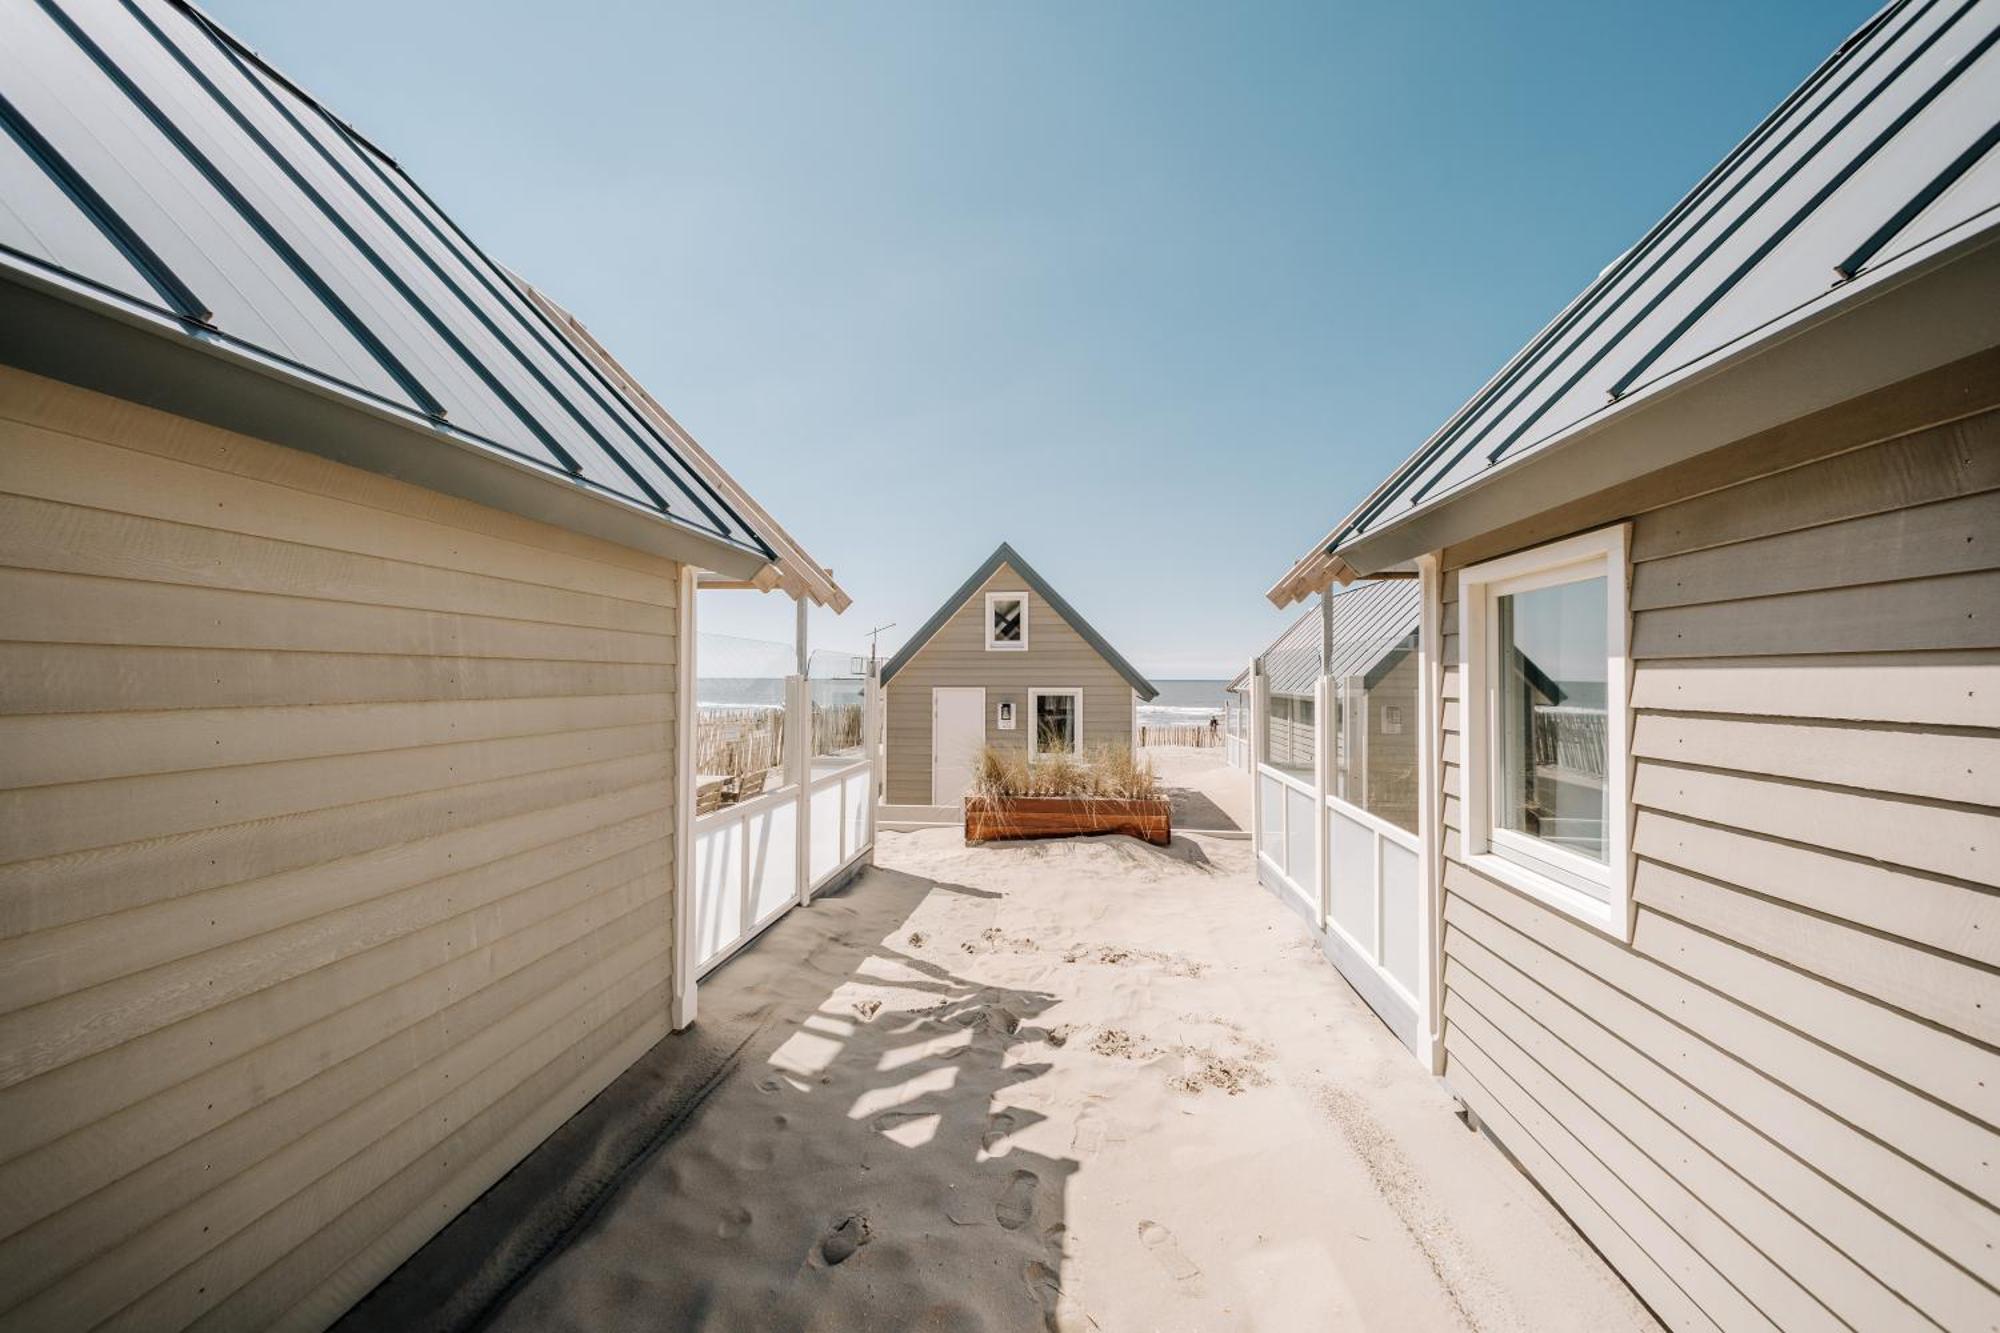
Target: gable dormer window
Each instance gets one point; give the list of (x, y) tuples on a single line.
[(1006, 622)]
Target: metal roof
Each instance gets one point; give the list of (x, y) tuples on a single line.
[(791, 571), (1880, 158), (1007, 555), (157, 171), (1370, 620)]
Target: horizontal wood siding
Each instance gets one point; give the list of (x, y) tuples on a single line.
[(1057, 657), (336, 855), (1777, 1106)]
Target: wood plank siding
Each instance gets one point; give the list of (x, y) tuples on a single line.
[(1057, 657), (1777, 1106), (336, 854)]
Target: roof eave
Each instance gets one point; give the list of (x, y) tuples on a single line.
[(68, 333), (1938, 305), (796, 573), (1005, 554)]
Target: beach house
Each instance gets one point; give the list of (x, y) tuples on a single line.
[(344, 692), (1005, 661), (1698, 600)]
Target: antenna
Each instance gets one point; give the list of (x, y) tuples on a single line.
[(871, 640)]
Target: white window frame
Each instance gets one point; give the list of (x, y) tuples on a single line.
[(1519, 861), (994, 645), (1034, 728)]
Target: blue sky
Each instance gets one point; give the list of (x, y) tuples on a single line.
[(1153, 291)]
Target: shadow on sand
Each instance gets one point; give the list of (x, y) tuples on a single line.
[(828, 1147)]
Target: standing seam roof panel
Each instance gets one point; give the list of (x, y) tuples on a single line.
[(109, 141), (1756, 242), (356, 280), (38, 218)]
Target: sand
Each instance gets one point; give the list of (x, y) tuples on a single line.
[(1079, 1085)]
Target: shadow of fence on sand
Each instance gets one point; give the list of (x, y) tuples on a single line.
[(831, 1146)]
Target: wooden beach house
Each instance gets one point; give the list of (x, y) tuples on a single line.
[(1703, 873), (1005, 661), (345, 625)]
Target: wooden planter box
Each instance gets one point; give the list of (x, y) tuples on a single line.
[(988, 819)]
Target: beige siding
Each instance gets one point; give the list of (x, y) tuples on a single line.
[(1778, 1105), (335, 860), (1057, 657)]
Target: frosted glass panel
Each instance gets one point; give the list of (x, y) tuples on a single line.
[(774, 859), (1271, 834), (1399, 913), (857, 816), (718, 888), (1353, 862), (825, 831), (1299, 839)]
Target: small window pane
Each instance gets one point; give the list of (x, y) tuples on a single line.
[(1552, 670), (1055, 723), (1375, 731), (1006, 620)]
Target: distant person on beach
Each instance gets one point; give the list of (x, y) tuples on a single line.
[(1214, 727)]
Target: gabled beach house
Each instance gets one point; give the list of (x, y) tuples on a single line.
[(1691, 628), (345, 695), (1005, 661)]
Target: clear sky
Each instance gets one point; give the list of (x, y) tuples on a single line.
[(1153, 291)]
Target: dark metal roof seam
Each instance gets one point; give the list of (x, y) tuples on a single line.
[(223, 186), (1820, 196), (180, 299), (355, 240), (521, 302), (1924, 198), (1659, 263), (1565, 318), (576, 366), (471, 307), (1729, 230)]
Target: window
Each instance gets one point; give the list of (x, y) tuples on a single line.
[(1055, 722), (1006, 622), (1289, 733), (1372, 681), (1543, 635)]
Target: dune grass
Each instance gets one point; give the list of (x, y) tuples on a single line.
[(1106, 773)]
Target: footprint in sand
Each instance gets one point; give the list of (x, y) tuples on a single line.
[(735, 1221), (1017, 1202), (839, 1244), (998, 1127), (867, 1009), (1160, 1243)]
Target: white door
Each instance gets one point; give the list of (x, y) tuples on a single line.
[(958, 729)]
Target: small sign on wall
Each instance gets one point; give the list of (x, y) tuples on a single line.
[(1392, 719), (1003, 715)]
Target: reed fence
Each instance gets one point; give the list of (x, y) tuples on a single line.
[(738, 741), (1197, 734)]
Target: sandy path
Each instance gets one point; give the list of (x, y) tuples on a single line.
[(1081, 1085)]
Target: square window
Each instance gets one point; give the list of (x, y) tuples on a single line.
[(1055, 722), (1543, 634), (1006, 622)]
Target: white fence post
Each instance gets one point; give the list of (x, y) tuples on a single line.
[(1323, 727), (1260, 707), (799, 748), (685, 772), (871, 745)]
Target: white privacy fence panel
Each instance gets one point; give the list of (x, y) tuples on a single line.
[(1334, 735), (1372, 889), (762, 855)]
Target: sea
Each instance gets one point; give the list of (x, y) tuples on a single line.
[(1184, 702)]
